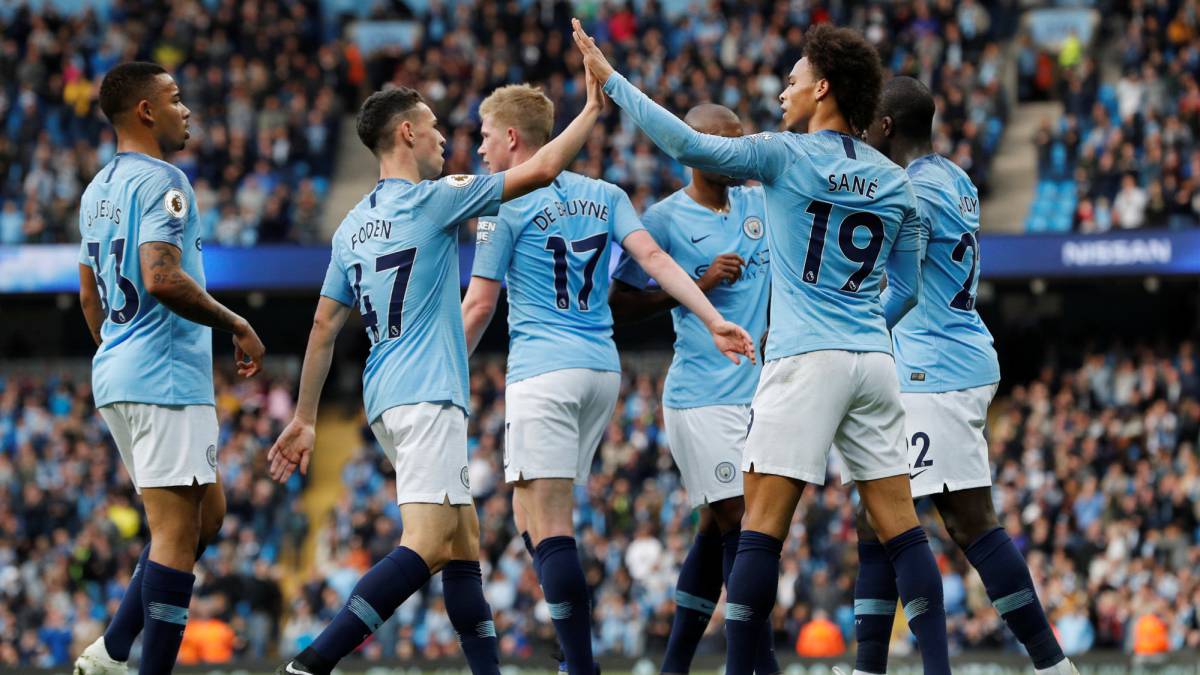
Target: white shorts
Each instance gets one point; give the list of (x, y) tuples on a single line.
[(946, 446), (165, 445), (810, 402), (554, 422), (707, 444), (427, 443)]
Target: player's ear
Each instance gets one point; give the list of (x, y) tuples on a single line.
[(820, 89), (512, 139), (886, 125), (144, 111), (405, 132)]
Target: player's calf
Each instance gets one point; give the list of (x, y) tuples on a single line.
[(875, 597), (173, 514), (888, 502), (462, 585), (971, 520)]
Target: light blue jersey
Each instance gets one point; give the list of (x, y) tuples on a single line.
[(148, 353), (942, 345), (552, 247), (395, 258), (694, 235), (837, 212)]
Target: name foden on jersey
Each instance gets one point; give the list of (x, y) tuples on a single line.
[(371, 229), (853, 183), (573, 207)]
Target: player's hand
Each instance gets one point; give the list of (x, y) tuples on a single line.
[(725, 267), (593, 58), (248, 351), (732, 340), (596, 98), (293, 449)]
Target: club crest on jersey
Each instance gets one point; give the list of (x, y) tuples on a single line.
[(211, 455), (753, 227), (726, 472), (175, 203), (459, 180), (465, 477)]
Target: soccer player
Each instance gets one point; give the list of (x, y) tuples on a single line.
[(141, 286), (553, 246), (715, 231), (395, 258), (836, 210), (948, 374)]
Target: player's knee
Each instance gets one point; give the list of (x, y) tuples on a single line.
[(863, 525), (724, 516), (965, 527), (211, 521)]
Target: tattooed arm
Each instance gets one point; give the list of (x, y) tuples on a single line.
[(166, 280)]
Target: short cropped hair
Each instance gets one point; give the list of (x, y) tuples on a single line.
[(126, 85), (844, 58), (910, 105), (522, 107), (379, 115)]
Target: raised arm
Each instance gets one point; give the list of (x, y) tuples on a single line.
[(760, 157), (294, 447), (166, 280), (552, 158), (730, 338), (89, 300)]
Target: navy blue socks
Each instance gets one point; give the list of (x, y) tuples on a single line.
[(566, 591), (462, 586), (751, 596), (696, 595), (920, 586), (765, 662), (875, 597), (1006, 577), (166, 594), (129, 618), (373, 600)]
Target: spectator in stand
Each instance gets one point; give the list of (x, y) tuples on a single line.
[(1129, 206)]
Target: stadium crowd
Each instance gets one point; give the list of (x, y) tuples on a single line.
[(266, 88), (1098, 482), (1124, 153), (71, 526), (269, 82)]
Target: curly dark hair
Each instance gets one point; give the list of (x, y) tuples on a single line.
[(850, 64), (380, 114)]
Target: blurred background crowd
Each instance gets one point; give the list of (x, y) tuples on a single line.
[(1123, 152), (270, 84)]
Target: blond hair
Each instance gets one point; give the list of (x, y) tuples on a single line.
[(523, 107)]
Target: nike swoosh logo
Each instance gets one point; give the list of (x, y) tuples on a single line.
[(697, 241), (290, 669), (913, 476)]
